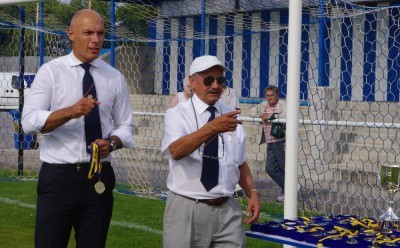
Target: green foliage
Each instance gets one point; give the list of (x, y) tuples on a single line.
[(5, 48), (138, 24), (61, 12)]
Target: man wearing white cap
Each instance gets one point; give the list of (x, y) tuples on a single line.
[(205, 144)]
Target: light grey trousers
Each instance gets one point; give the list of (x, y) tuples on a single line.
[(189, 224)]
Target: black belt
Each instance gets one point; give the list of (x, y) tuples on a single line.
[(77, 166), (210, 202)]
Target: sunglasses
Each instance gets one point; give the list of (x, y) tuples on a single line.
[(210, 80), (200, 151)]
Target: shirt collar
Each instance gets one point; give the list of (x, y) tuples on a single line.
[(201, 106), (74, 61)]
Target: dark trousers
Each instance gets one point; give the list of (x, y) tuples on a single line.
[(275, 164), (66, 198)]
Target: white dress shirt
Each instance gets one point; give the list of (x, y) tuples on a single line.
[(184, 174), (57, 85)]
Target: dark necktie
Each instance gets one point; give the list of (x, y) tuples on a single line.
[(209, 173), (92, 120)]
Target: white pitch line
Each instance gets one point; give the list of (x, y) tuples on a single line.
[(114, 223), (16, 202), (136, 226)]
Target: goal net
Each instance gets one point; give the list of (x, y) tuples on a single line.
[(349, 86)]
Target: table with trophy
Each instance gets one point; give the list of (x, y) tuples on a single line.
[(340, 230)]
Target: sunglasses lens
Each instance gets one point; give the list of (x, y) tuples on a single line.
[(210, 80), (221, 80)]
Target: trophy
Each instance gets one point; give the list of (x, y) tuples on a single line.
[(390, 182)]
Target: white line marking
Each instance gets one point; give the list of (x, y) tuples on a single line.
[(114, 223), (136, 226), (16, 202)]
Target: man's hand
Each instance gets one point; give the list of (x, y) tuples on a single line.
[(226, 122), (83, 107), (104, 147), (253, 208)]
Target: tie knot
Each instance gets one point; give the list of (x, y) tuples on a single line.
[(85, 66), (211, 109)]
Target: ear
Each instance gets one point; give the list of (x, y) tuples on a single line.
[(192, 82), (70, 33)]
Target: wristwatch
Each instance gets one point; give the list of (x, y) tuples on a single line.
[(113, 144)]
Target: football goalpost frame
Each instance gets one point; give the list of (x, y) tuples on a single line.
[(292, 125)]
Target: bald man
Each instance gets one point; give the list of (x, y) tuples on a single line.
[(61, 108)]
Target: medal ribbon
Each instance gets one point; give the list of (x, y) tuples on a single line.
[(342, 232), (94, 161), (366, 223), (385, 239)]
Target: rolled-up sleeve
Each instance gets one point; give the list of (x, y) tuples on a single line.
[(168, 136), (37, 103), (175, 128), (33, 120)]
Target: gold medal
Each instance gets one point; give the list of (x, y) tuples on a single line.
[(99, 187)]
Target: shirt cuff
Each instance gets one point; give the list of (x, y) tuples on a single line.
[(127, 138), (35, 122)]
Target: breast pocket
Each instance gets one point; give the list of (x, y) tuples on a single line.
[(235, 147)]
